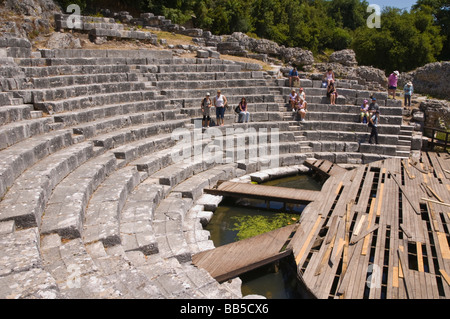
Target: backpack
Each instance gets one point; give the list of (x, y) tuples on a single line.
[(237, 110)]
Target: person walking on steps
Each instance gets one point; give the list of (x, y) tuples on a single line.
[(373, 123), (408, 91)]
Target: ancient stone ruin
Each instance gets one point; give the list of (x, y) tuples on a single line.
[(93, 181)]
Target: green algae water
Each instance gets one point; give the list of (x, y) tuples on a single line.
[(235, 220)]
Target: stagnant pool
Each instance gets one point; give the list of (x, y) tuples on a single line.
[(242, 218)]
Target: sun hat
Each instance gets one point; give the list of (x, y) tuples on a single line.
[(409, 83), (301, 89), (374, 98), (396, 73), (208, 94), (365, 101)]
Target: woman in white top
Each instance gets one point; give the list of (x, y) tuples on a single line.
[(329, 76), (220, 101)]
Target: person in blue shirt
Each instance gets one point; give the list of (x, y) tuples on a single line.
[(408, 91), (293, 75)]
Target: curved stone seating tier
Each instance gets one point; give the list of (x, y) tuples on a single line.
[(104, 99), (17, 158), (43, 70), (101, 186), (77, 91), (19, 130)]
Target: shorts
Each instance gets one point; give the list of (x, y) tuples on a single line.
[(392, 88), (206, 117), (220, 112)]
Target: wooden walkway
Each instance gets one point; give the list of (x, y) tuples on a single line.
[(377, 231), (324, 167), (271, 193), (232, 260), (381, 231)]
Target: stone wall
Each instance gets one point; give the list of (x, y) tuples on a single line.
[(431, 79)]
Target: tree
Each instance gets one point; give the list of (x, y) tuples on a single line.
[(440, 9), (405, 41)]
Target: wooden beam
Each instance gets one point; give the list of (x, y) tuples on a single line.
[(364, 234), (445, 276), (435, 201), (405, 194)]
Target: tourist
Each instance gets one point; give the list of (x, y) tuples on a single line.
[(206, 107), (373, 123), (329, 76), (364, 112), (292, 98), (220, 102), (302, 95), (301, 108), (408, 91), (332, 93), (293, 76), (393, 79), (373, 106), (244, 115)]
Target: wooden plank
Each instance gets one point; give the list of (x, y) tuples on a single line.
[(363, 235), (405, 194), (406, 275), (419, 256), (445, 276), (436, 202), (359, 225), (231, 260), (369, 223), (443, 245), (308, 239), (405, 167), (272, 193)]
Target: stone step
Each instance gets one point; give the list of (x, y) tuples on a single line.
[(107, 111), (358, 128), (177, 68), (14, 113), (16, 132), (19, 157), (102, 214), (64, 212), (77, 91), (25, 200), (209, 85), (43, 71), (23, 269), (99, 56), (97, 100), (75, 271)]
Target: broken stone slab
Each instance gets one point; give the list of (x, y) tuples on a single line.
[(209, 202)]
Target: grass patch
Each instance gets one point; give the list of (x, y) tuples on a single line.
[(250, 226), (173, 38)]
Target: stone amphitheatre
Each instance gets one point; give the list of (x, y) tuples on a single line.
[(98, 198)]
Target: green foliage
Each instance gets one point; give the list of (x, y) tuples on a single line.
[(406, 40), (250, 226)]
